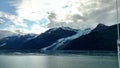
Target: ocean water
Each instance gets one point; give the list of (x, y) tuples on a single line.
[(101, 60)]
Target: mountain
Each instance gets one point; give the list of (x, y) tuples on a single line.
[(49, 37), (5, 33), (36, 42), (63, 41), (15, 42), (104, 39), (99, 27), (64, 38)]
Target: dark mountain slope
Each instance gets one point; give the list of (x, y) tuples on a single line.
[(49, 37), (97, 40), (100, 27), (30, 41), (15, 42)]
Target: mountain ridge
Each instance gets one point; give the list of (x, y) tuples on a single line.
[(63, 38), (105, 39)]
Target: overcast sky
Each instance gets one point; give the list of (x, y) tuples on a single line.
[(36, 16)]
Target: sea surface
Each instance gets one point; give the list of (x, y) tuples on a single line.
[(59, 60)]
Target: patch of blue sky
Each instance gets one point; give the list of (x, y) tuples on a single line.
[(4, 26), (29, 23), (5, 22), (5, 6), (43, 22)]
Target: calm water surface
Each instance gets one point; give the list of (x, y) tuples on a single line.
[(61, 61)]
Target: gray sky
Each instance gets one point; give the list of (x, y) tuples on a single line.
[(36, 16)]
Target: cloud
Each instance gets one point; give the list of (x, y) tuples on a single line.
[(11, 19), (37, 29), (39, 15), (89, 14)]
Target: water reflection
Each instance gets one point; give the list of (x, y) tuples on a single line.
[(22, 61), (63, 61)]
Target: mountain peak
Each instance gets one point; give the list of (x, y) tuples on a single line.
[(61, 29), (99, 27)]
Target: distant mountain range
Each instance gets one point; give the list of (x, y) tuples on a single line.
[(15, 42), (64, 38), (36, 42), (5, 33), (49, 37)]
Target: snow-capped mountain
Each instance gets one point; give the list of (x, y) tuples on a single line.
[(104, 39), (49, 37), (65, 38), (63, 41), (31, 41), (61, 28), (15, 42)]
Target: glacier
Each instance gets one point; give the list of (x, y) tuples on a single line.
[(62, 41)]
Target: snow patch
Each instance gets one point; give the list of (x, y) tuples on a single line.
[(3, 44), (50, 31)]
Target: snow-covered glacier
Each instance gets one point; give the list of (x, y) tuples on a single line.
[(62, 41)]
